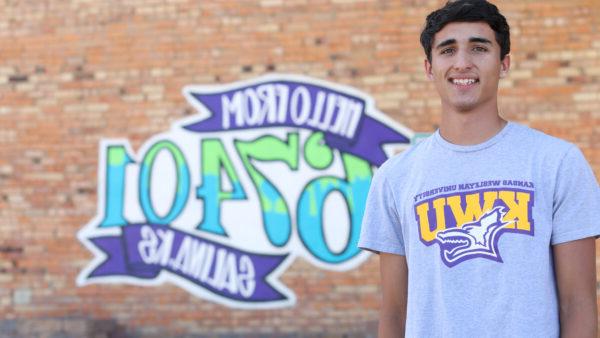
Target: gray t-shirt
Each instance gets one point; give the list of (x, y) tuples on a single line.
[(476, 224)]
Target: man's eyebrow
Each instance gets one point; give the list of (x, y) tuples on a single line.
[(445, 43), (480, 40), (453, 41)]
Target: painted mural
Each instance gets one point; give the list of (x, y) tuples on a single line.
[(268, 170)]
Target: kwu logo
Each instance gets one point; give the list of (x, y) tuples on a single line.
[(269, 170), (467, 224)]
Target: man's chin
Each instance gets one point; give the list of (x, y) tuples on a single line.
[(464, 106)]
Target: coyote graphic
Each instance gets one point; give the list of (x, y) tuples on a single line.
[(475, 239)]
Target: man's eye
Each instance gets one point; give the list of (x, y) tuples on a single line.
[(447, 51), (479, 49)]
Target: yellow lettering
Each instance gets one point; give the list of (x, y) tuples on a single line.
[(517, 203), (473, 209), (518, 209), (440, 218), (426, 234)]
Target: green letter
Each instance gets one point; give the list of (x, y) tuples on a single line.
[(276, 216), (116, 161), (214, 158), (183, 183), (310, 209)]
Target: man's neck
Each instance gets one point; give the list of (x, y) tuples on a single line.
[(469, 128)]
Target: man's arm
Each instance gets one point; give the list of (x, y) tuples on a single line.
[(575, 268), (394, 282)]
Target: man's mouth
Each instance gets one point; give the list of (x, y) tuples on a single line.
[(463, 81)]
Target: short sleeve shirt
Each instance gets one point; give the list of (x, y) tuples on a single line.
[(476, 224)]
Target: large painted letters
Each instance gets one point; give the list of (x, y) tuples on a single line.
[(269, 170)]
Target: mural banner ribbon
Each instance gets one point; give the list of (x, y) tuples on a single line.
[(143, 251), (339, 115)]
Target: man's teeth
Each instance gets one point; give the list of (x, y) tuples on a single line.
[(463, 81)]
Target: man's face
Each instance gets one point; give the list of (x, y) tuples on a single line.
[(466, 67)]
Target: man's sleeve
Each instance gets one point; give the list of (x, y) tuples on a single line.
[(576, 209), (381, 231)]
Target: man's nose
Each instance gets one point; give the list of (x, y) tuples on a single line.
[(463, 60)]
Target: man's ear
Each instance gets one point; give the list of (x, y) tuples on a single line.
[(428, 71), (505, 66)]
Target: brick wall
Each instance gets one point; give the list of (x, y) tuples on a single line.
[(73, 72)]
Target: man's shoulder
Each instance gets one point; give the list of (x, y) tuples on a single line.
[(550, 151), (529, 136), (403, 162)]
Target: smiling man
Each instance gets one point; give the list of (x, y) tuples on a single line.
[(487, 228)]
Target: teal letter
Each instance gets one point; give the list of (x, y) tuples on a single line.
[(214, 158), (276, 216), (116, 161), (310, 207), (183, 183)]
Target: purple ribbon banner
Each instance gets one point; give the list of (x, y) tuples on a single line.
[(340, 116), (144, 250)]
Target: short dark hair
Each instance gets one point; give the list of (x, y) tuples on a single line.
[(466, 11)]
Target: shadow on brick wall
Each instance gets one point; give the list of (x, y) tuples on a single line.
[(109, 328), (61, 328)]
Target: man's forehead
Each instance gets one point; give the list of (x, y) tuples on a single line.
[(464, 32)]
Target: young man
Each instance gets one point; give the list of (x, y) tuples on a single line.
[(486, 228)]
